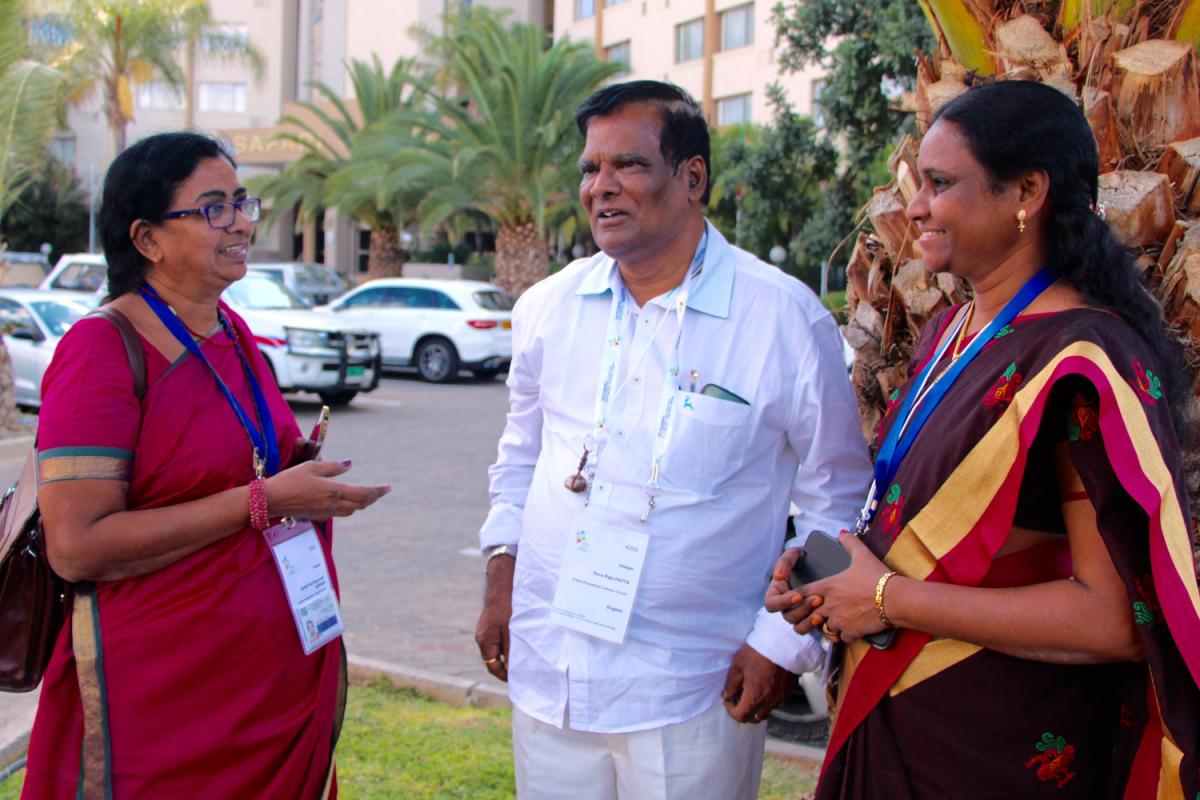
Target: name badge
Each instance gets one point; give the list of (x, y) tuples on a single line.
[(599, 581), (305, 575)]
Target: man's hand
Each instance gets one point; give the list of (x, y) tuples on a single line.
[(755, 685), (491, 632)]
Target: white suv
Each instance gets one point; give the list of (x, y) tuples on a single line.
[(437, 326), (308, 351)]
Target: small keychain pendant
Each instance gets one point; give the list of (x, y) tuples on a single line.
[(649, 508), (577, 483)]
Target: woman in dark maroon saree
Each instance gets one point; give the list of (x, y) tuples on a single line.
[(182, 673), (1045, 592)]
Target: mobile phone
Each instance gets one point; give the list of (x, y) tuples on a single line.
[(721, 393), (821, 556), (319, 430)]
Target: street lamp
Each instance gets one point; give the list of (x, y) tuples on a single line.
[(777, 254)]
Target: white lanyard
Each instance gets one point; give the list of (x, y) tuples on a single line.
[(610, 367)]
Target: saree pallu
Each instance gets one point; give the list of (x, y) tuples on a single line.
[(937, 718), (200, 681)]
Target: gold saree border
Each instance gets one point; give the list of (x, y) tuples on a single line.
[(95, 764), (935, 657), (82, 468)]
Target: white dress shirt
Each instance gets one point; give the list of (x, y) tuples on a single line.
[(727, 477)]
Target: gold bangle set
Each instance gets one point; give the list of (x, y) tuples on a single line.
[(879, 587)]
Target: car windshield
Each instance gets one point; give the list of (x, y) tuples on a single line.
[(258, 292), (318, 276), (494, 300), (58, 316)]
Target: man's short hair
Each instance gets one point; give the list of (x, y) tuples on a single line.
[(684, 129)]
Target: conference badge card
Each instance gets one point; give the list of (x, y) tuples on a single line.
[(599, 581)]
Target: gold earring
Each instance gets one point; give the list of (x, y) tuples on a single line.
[(1020, 220)]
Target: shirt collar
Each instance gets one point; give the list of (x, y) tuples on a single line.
[(711, 293)]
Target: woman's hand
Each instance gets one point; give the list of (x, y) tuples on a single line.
[(308, 490), (848, 607), (796, 607)]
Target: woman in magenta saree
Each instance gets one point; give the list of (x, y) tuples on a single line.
[(1045, 592), (194, 683)]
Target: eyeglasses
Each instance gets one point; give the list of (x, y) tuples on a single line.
[(223, 213)]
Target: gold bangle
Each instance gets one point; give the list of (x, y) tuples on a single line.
[(883, 580)]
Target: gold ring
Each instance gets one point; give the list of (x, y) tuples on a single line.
[(829, 632), (492, 660)]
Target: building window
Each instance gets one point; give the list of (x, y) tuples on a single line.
[(619, 54), (818, 113), (221, 97), (62, 147), (362, 258), (159, 96), (225, 40), (732, 110), (689, 41), (737, 27), (585, 9)]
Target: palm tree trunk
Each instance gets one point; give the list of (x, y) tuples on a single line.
[(385, 257), (521, 257), (10, 418)]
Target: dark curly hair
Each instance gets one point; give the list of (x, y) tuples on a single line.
[(1013, 127), (140, 184), (684, 129)]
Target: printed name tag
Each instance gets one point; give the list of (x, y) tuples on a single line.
[(599, 581), (301, 564)]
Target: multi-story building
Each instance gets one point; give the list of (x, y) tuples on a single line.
[(722, 51), (300, 41)]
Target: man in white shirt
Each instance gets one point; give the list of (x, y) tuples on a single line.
[(668, 398)]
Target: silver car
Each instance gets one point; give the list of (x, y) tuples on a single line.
[(32, 321), (315, 284)]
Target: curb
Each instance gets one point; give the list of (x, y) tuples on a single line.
[(447, 689)]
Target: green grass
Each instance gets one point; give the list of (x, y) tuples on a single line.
[(397, 743)]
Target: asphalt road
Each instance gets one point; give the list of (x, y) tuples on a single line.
[(411, 575)]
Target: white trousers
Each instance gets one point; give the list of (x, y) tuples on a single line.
[(708, 757)]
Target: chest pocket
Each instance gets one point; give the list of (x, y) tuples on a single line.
[(708, 443)]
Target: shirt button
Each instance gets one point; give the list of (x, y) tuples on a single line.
[(620, 433), (637, 380)]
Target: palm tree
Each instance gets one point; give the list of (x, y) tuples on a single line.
[(500, 143), (326, 175), (112, 45), (29, 96), (29, 102)]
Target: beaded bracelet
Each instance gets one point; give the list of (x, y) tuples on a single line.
[(883, 579), (259, 519)]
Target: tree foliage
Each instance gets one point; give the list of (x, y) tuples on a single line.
[(29, 97), (872, 61), (107, 47), (769, 184), (498, 140), (52, 210)]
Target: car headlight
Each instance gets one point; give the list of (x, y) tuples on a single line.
[(309, 342)]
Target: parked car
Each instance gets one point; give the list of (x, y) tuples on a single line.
[(22, 269), (32, 321), (437, 326), (307, 351), (315, 284), (77, 272)]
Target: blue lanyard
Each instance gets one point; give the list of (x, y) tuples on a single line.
[(266, 447), (921, 402)]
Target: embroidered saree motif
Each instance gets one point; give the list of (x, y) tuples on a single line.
[(1053, 761)]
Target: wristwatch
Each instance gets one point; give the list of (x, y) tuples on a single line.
[(500, 550)]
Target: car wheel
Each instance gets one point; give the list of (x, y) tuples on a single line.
[(486, 373), (338, 398), (437, 360)]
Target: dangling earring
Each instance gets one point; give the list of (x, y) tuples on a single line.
[(1020, 220)]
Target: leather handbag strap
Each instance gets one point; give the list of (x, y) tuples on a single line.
[(95, 768), (133, 346)]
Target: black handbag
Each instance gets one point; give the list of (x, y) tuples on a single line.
[(34, 600)]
